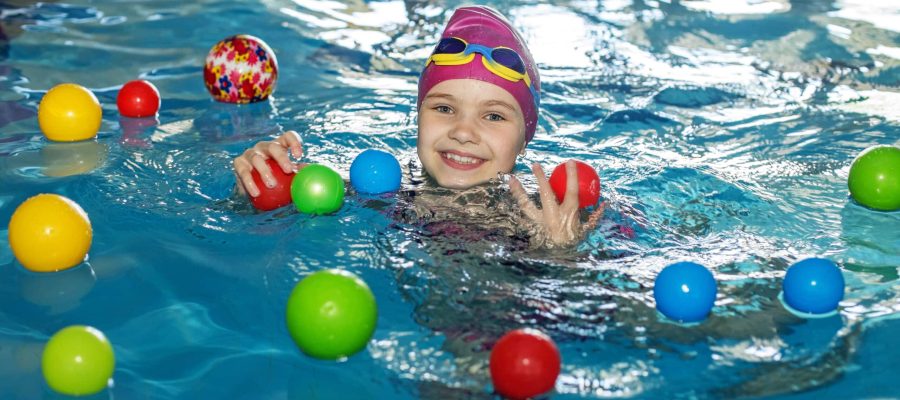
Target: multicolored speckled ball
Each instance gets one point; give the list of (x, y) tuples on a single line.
[(240, 69)]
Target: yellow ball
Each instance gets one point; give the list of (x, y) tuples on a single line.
[(49, 232), (69, 113)]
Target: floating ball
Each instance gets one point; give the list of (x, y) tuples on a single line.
[(588, 184), (331, 314), (685, 292), (240, 69), (874, 179), (814, 286), (374, 172), (317, 189), (524, 363), (69, 113), (49, 233), (78, 361), (274, 197), (138, 99)]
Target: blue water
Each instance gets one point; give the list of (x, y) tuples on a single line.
[(723, 132)]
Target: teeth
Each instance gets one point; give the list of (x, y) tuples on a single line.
[(461, 159)]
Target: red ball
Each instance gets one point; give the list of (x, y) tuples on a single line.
[(278, 196), (588, 184), (524, 363), (138, 99)]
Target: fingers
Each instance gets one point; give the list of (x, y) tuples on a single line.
[(571, 199), (525, 204), (291, 140), (276, 151), (595, 217), (548, 198), (242, 172), (255, 158), (258, 161)]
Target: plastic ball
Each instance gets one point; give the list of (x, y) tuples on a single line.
[(240, 69), (524, 363), (78, 361), (685, 292), (317, 189), (331, 314), (374, 172), (49, 233), (814, 286), (588, 184), (274, 197), (874, 179), (138, 99), (69, 113)]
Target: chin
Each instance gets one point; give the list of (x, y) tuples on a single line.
[(458, 184), (451, 183)]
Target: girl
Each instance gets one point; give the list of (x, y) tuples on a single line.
[(478, 107)]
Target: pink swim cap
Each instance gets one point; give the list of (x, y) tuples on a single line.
[(487, 27)]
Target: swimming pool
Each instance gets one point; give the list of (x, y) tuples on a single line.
[(723, 132)]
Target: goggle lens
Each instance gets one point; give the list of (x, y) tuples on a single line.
[(450, 46), (508, 59)]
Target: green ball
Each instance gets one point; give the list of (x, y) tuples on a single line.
[(78, 361), (331, 314), (874, 179), (317, 189)]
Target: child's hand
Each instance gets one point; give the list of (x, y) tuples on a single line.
[(256, 156), (561, 223)]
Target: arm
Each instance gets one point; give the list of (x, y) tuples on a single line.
[(559, 223), (256, 156)]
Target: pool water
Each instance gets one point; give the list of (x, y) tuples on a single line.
[(723, 133)]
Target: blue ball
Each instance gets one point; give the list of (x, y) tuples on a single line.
[(685, 292), (374, 172), (813, 285)]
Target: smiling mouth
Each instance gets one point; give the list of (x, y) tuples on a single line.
[(458, 161)]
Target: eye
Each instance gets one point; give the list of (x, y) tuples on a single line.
[(444, 109), (494, 117)]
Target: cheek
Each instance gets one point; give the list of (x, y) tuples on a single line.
[(427, 127), (505, 154)]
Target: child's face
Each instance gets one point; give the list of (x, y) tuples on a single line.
[(469, 130)]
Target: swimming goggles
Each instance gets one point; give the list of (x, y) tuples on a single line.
[(501, 61)]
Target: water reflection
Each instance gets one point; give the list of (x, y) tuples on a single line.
[(60, 291), (59, 160), (135, 130)]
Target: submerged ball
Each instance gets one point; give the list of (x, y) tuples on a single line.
[(374, 172), (49, 233), (69, 113), (240, 69), (138, 99), (331, 314), (78, 361), (874, 179), (274, 197), (317, 189), (524, 363), (814, 286), (685, 292), (588, 184)]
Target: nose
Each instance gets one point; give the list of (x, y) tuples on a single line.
[(465, 130)]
